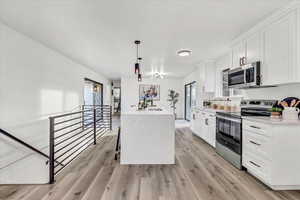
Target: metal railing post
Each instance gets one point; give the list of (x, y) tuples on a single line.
[(110, 120), (51, 151), (95, 126), (82, 114)]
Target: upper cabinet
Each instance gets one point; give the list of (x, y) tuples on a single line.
[(210, 70), (210, 76), (247, 51), (275, 42), (207, 76), (253, 48), (238, 53), (222, 63), (279, 53)]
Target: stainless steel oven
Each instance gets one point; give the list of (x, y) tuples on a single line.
[(229, 128), (246, 76), (229, 137)]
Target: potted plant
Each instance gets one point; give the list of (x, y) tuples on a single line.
[(173, 99), (276, 112)]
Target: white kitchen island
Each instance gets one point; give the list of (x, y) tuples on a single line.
[(147, 137)]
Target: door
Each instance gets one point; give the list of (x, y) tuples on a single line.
[(93, 97), (117, 99), (190, 99), (229, 132), (93, 93)]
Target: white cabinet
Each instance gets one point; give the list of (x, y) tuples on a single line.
[(222, 63), (197, 122), (250, 50), (210, 76), (270, 151), (238, 52), (253, 48), (276, 43), (205, 127), (280, 47), (211, 130)]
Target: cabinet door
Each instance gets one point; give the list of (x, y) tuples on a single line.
[(193, 122), (211, 138), (222, 63), (279, 49), (254, 44), (202, 131), (197, 125), (210, 77), (206, 130), (238, 51)]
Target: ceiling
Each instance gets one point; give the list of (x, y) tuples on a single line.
[(100, 33)]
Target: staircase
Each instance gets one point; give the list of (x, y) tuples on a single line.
[(69, 135)]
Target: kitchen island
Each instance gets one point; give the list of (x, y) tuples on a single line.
[(147, 137)]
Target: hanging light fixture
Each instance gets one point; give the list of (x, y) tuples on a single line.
[(137, 69), (137, 66)]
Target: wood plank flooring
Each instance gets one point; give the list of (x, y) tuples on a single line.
[(199, 174)]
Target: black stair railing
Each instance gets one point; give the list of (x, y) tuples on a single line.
[(16, 139), (72, 133), (23, 143)]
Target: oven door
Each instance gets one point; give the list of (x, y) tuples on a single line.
[(229, 133), (236, 78)]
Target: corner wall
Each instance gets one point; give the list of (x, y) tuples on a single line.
[(35, 82)]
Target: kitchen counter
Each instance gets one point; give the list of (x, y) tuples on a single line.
[(148, 112), (269, 120), (147, 137), (213, 111)]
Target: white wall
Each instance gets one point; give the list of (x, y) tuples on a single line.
[(278, 93), (130, 92), (35, 82)]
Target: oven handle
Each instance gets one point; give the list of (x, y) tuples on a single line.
[(229, 119)]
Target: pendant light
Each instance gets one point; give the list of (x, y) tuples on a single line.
[(137, 69), (137, 66)]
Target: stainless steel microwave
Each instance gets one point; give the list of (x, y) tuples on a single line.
[(245, 77)]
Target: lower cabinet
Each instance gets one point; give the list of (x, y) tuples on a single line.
[(204, 126), (271, 152)]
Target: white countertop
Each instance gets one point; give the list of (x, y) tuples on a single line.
[(147, 112), (269, 120), (213, 111)]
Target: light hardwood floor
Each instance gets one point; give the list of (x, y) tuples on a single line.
[(199, 174)]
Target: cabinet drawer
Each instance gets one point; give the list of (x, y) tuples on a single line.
[(256, 127), (257, 167), (256, 144)]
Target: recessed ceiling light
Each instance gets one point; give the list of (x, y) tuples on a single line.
[(184, 52)]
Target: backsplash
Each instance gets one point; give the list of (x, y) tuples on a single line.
[(278, 93)]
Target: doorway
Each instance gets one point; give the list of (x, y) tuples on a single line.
[(117, 100), (93, 93), (190, 100)]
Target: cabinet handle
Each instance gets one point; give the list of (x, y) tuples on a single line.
[(241, 64), (255, 127), (253, 163), (254, 143)]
